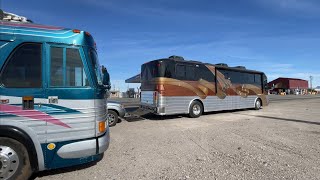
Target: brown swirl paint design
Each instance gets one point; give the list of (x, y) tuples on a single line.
[(203, 88)]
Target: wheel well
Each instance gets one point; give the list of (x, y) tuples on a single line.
[(114, 111), (198, 101), (19, 135)]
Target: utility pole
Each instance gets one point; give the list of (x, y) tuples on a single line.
[(311, 78)]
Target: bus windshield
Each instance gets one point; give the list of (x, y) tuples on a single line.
[(96, 65)]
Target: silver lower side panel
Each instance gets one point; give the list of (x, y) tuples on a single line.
[(181, 104)]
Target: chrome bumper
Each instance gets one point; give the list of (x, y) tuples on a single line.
[(85, 148)]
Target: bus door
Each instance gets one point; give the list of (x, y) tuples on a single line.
[(21, 85), (70, 97)]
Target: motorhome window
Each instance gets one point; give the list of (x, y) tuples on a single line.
[(150, 70), (167, 73), (204, 73), (237, 77), (56, 66), (226, 74), (265, 82), (181, 72), (233, 76), (145, 75), (250, 78), (257, 79), (191, 73), (23, 68), (75, 75)]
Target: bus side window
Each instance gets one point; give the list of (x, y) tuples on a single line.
[(23, 67), (56, 73), (73, 75)]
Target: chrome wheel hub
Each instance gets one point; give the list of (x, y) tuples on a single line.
[(196, 109), (9, 162), (111, 118), (258, 104)]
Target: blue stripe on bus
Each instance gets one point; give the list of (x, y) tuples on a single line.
[(50, 109), (63, 93)]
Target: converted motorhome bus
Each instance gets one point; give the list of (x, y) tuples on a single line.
[(52, 105), (176, 86)]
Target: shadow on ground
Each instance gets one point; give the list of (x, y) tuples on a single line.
[(65, 170), (140, 116), (285, 119)]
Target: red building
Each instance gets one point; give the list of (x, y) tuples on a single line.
[(289, 85)]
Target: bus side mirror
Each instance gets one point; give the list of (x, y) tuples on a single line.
[(108, 87), (1, 14), (106, 79)]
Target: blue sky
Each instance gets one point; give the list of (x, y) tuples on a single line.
[(279, 37)]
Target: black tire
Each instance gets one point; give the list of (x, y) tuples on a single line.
[(14, 162), (196, 109), (112, 118), (258, 104)]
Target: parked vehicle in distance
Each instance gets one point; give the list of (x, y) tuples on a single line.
[(177, 86), (52, 105), (115, 110)]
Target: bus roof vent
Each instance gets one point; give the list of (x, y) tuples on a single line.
[(222, 64), (240, 67), (178, 58), (6, 16)]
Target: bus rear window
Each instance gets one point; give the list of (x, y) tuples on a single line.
[(149, 71)]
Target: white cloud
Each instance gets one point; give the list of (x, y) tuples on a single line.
[(296, 6)]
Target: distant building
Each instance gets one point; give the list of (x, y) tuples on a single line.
[(115, 94), (289, 86)]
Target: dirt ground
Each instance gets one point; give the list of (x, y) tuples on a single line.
[(281, 141)]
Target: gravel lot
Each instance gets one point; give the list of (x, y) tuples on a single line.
[(281, 141)]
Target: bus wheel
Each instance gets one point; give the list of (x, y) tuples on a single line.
[(196, 109), (257, 104), (112, 118), (14, 160)]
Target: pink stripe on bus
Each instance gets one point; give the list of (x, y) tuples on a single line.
[(30, 25), (32, 114)]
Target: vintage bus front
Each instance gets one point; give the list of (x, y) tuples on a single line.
[(52, 99)]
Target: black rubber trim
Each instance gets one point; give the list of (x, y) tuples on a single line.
[(22, 137), (97, 146), (97, 142)]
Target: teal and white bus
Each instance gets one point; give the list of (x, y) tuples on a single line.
[(52, 98)]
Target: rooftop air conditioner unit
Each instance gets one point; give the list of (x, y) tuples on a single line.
[(179, 58)]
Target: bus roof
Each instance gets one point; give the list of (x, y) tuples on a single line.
[(220, 66), (11, 31)]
